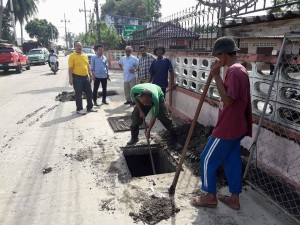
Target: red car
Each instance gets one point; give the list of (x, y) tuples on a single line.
[(11, 57)]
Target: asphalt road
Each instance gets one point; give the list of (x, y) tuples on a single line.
[(46, 151)]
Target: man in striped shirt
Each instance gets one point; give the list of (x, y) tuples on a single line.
[(144, 65)]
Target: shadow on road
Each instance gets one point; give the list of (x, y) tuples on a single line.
[(123, 109), (42, 91), (60, 120)]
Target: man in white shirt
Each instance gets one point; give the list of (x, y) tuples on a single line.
[(129, 64)]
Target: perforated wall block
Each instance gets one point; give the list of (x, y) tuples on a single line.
[(288, 116), (258, 105), (288, 94), (213, 93), (250, 67), (178, 61), (195, 74), (290, 74), (261, 87), (264, 71)]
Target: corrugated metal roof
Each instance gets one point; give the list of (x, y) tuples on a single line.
[(261, 19)]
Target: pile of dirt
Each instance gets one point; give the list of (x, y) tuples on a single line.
[(47, 170), (155, 210), (197, 144), (66, 96)]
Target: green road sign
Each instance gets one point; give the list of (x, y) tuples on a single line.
[(128, 30)]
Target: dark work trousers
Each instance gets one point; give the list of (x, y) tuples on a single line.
[(82, 84), (97, 82), (163, 116), (164, 91)]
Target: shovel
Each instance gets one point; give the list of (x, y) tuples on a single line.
[(149, 147), (188, 139)]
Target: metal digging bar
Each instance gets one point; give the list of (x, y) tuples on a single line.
[(149, 147), (188, 139), (253, 146)]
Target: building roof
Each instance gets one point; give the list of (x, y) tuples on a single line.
[(165, 30)]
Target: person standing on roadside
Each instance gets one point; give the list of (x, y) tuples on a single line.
[(129, 64), (79, 77), (161, 68), (145, 62), (234, 123), (99, 68)]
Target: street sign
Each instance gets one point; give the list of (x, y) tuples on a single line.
[(128, 30)]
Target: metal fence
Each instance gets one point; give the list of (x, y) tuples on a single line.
[(275, 167), (196, 28)]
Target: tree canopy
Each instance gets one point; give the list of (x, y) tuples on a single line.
[(143, 9), (42, 30), (7, 33), (109, 36)]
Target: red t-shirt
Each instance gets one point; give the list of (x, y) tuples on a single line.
[(235, 120)]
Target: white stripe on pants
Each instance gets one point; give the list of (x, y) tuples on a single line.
[(210, 151), (127, 88)]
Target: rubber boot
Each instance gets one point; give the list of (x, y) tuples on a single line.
[(134, 136), (177, 146)]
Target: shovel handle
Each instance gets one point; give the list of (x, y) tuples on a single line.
[(150, 152), (188, 139)]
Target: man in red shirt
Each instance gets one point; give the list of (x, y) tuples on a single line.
[(234, 123)]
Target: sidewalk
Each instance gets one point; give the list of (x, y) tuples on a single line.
[(128, 193)]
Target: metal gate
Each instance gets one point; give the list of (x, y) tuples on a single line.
[(273, 168)]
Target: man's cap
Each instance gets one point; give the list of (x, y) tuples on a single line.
[(224, 45)]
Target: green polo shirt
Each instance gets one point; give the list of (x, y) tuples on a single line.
[(157, 95)]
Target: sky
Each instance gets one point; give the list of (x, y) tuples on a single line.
[(54, 10)]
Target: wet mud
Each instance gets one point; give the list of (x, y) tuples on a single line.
[(154, 210), (67, 96)]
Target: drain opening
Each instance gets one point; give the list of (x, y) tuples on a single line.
[(139, 163)]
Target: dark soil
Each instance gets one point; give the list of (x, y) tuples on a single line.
[(197, 144), (47, 170), (155, 210), (81, 155), (66, 96)]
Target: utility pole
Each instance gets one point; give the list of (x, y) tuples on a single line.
[(85, 11), (13, 21), (98, 21), (65, 21)]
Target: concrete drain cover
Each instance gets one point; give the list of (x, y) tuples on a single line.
[(121, 123), (139, 163)]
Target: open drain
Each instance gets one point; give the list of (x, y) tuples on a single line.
[(139, 163), (121, 123)]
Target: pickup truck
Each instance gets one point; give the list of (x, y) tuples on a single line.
[(11, 57)]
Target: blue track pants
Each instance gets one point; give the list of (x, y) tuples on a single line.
[(221, 152)]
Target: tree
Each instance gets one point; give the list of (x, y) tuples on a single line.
[(23, 10), (42, 30), (7, 33), (143, 9), (110, 38)]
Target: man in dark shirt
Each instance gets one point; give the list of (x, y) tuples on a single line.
[(160, 69)]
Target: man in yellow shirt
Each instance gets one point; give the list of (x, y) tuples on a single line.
[(79, 77)]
